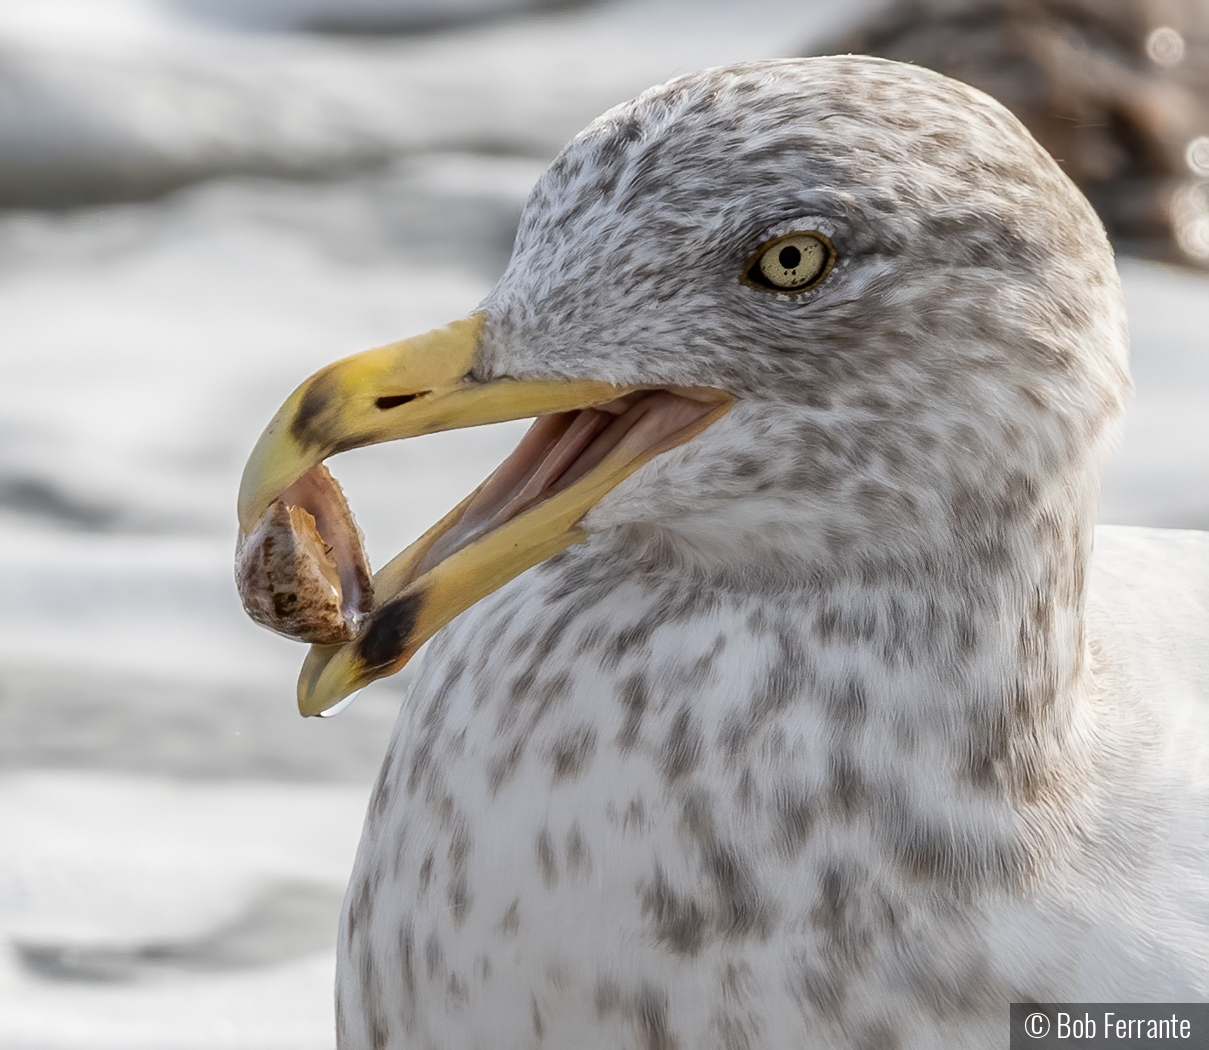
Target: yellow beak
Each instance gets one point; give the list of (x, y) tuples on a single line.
[(421, 386)]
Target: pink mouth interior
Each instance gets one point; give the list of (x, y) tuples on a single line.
[(556, 452), (560, 449)]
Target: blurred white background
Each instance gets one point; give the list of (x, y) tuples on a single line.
[(202, 201)]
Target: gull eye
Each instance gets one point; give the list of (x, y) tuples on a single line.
[(792, 263)]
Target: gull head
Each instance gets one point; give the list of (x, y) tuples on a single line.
[(791, 319)]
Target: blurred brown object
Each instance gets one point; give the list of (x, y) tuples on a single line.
[(1116, 90)]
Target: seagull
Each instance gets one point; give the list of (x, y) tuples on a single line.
[(773, 695)]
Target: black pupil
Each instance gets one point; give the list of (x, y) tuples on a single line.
[(789, 257)]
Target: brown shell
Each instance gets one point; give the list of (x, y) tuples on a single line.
[(287, 573)]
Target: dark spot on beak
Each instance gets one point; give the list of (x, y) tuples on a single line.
[(385, 639), (307, 425)]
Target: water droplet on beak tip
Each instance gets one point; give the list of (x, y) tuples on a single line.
[(335, 709)]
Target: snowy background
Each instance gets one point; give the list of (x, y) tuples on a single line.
[(202, 201)]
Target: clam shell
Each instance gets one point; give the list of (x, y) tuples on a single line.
[(306, 584)]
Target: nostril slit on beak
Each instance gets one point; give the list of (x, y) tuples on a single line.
[(395, 400)]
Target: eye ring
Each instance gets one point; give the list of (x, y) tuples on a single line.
[(791, 263)]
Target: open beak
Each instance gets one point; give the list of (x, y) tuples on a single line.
[(301, 567)]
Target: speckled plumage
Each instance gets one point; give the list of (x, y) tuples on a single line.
[(818, 740)]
